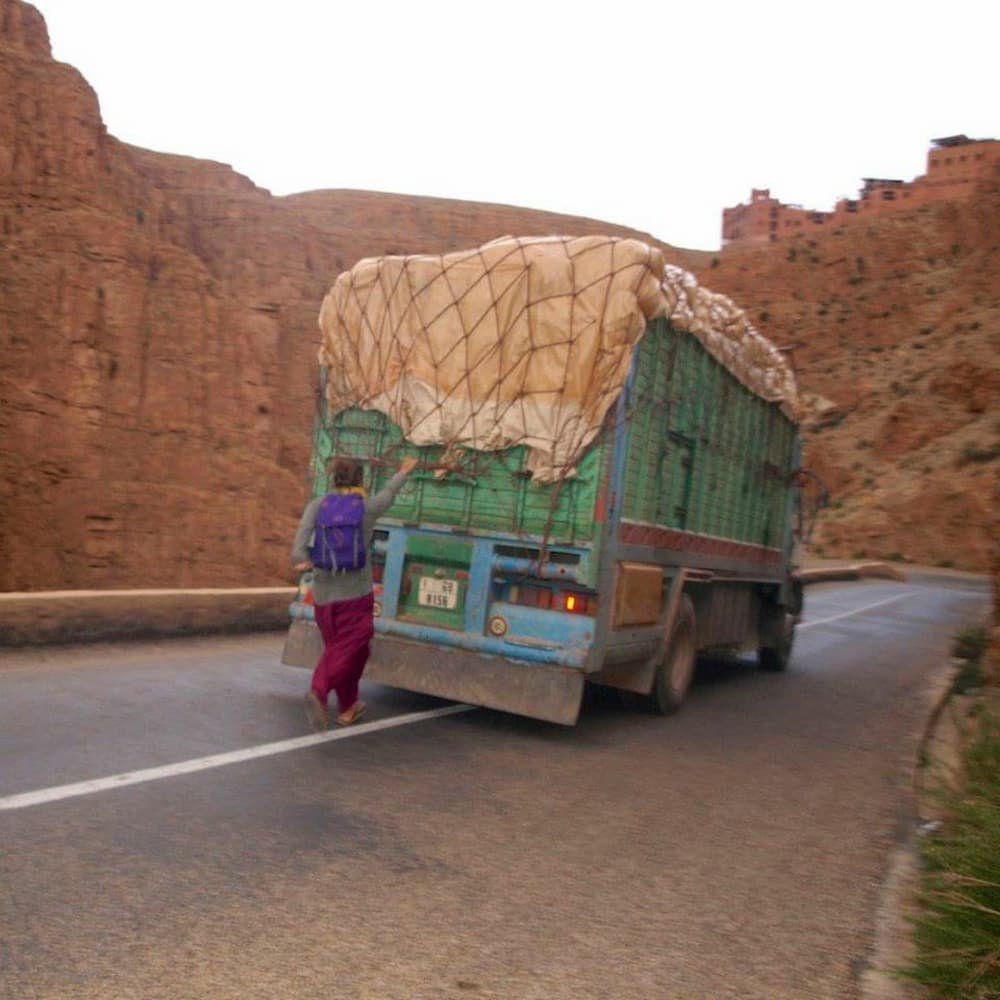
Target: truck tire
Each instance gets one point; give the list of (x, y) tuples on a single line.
[(675, 670), (779, 627)]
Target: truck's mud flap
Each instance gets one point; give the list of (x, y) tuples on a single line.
[(551, 693)]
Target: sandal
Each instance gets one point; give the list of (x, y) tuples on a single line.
[(316, 714), (352, 715)]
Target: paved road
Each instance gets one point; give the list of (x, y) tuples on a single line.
[(735, 850)]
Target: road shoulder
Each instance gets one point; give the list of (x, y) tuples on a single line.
[(936, 745)]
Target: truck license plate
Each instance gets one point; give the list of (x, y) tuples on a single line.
[(438, 593)]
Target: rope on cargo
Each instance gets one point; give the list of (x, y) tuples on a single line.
[(519, 343)]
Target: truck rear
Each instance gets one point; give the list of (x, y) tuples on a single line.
[(594, 510)]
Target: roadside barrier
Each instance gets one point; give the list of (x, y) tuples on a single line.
[(62, 616), (853, 571)]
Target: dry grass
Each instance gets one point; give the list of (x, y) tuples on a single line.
[(958, 932)]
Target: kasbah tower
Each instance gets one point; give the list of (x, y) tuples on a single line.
[(955, 167)]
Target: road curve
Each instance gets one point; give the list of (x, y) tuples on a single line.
[(735, 850)]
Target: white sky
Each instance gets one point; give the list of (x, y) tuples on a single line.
[(654, 116)]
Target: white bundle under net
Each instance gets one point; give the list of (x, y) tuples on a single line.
[(520, 342)]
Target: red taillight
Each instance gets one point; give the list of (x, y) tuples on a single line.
[(377, 570), (553, 600), (579, 604)]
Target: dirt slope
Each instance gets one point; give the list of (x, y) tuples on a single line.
[(896, 328)]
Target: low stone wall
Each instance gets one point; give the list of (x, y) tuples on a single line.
[(852, 571), (89, 615)]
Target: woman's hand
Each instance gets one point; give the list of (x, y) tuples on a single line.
[(302, 567), (407, 465)]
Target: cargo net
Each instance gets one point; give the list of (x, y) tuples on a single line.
[(520, 342)]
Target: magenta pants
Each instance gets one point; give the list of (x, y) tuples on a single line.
[(347, 628)]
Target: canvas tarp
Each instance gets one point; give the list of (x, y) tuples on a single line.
[(518, 342)]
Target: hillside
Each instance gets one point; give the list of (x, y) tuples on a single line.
[(158, 341), (896, 329)]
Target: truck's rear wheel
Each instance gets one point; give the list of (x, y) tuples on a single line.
[(779, 634), (674, 671)]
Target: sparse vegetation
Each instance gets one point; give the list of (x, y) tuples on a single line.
[(970, 644), (958, 931), (958, 934), (972, 453)]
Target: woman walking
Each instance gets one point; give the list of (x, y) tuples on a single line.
[(341, 525)]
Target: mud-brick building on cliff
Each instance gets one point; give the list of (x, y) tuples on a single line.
[(956, 165)]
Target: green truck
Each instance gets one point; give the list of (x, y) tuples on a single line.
[(675, 535)]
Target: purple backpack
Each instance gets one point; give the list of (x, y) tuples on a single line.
[(338, 543)]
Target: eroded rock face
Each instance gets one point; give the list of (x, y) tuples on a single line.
[(158, 317), (894, 325), (158, 349)]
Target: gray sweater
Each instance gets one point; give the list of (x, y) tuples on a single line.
[(328, 587)]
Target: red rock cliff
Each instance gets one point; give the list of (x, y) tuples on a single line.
[(158, 338), (158, 325), (897, 322)]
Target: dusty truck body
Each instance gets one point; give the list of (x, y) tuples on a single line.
[(669, 532)]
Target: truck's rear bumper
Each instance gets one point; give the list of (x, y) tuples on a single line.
[(547, 692)]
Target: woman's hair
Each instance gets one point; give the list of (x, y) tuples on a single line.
[(346, 473)]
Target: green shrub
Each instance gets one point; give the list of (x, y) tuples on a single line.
[(971, 453), (970, 643)]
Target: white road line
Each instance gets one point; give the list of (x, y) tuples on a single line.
[(856, 611), (57, 792)]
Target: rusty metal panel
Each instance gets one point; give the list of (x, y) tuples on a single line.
[(542, 692), (638, 594), (725, 614)]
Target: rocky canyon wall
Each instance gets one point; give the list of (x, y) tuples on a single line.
[(158, 349), (895, 325), (158, 338)]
